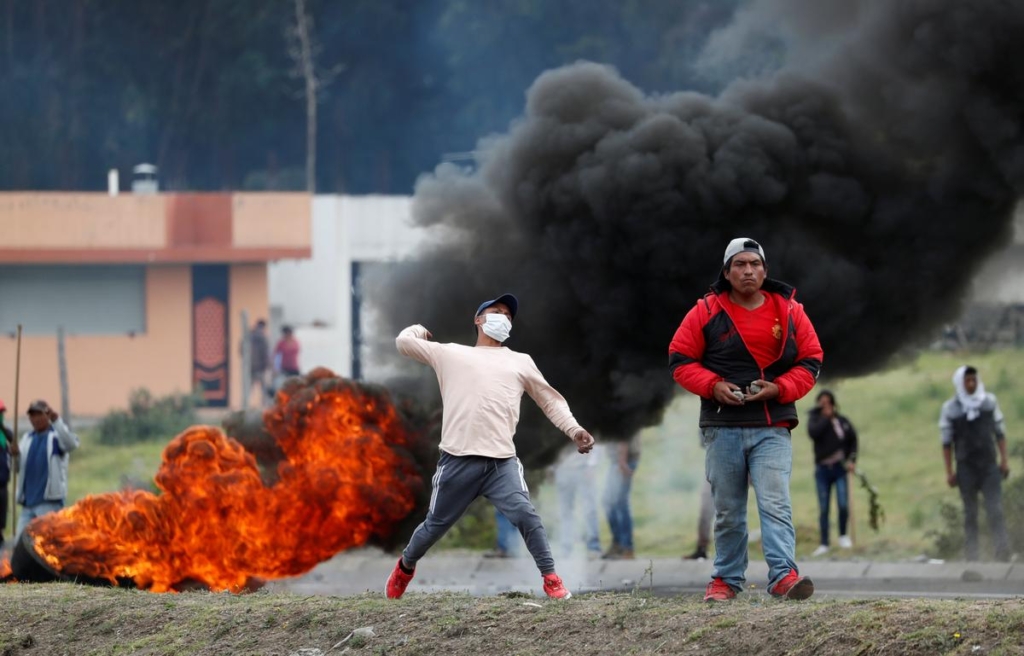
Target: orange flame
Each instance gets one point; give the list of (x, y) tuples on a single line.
[(346, 478)]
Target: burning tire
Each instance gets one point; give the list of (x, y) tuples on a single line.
[(29, 567)]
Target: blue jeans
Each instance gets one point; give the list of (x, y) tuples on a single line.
[(507, 534), (826, 476), (764, 457), (28, 513), (616, 503)]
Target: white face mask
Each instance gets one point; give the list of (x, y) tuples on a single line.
[(497, 326)]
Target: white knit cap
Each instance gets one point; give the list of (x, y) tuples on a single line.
[(743, 245)]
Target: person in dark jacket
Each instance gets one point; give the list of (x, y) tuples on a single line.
[(7, 445), (835, 453), (749, 351), (259, 362)]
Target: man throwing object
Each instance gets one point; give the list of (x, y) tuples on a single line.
[(481, 389)]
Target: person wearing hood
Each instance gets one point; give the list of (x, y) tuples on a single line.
[(748, 350), (973, 430), (481, 390)]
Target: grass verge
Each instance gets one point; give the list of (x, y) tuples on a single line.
[(65, 618)]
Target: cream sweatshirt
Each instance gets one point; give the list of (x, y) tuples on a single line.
[(481, 388)]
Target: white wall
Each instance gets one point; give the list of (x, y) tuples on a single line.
[(315, 295), (1001, 280)]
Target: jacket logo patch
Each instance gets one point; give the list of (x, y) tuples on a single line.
[(777, 330)]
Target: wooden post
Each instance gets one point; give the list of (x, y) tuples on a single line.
[(15, 452), (62, 368)]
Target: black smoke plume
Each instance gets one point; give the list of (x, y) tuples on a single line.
[(878, 178)]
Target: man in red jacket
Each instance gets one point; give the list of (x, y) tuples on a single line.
[(749, 351)]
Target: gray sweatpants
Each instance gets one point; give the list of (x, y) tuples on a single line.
[(461, 479)]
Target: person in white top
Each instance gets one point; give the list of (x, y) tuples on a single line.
[(481, 390)]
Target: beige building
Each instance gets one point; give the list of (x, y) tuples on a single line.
[(148, 289)]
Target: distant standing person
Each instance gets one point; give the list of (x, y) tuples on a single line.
[(43, 479), (748, 350), (576, 487), (482, 388), (505, 543), (286, 353), (6, 447), (705, 520), (973, 429), (259, 361), (835, 454), (625, 456)]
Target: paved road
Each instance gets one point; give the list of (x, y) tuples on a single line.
[(358, 571)]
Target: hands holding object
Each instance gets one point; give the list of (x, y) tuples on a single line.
[(726, 393)]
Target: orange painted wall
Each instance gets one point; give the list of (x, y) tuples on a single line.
[(247, 290), (103, 369), (32, 220), (66, 227), (278, 220)]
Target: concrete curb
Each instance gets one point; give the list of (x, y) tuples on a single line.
[(366, 570)]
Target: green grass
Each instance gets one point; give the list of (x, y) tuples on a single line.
[(896, 415), (95, 468)]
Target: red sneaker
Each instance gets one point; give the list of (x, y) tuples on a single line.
[(554, 588), (793, 586), (397, 582), (719, 590)]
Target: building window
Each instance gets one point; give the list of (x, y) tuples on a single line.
[(84, 299)]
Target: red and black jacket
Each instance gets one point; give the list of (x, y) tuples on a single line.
[(707, 348)]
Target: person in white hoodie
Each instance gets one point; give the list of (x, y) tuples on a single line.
[(43, 472), (481, 390), (973, 429)]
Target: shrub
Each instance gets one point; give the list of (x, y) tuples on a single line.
[(149, 418)]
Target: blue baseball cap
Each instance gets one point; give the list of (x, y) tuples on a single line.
[(508, 299)]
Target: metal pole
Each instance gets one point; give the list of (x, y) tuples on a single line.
[(15, 452)]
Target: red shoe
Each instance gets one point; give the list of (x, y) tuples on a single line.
[(397, 582), (719, 590), (793, 586), (554, 588)]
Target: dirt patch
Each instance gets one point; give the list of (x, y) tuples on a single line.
[(68, 619)]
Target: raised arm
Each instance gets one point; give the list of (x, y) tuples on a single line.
[(817, 424), (414, 342), (66, 438)]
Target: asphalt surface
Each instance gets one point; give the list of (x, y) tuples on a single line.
[(365, 570)]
